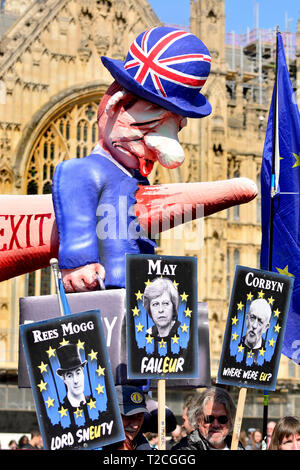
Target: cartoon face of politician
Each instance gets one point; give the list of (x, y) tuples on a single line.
[(161, 301), (257, 322), (155, 89), (72, 373)]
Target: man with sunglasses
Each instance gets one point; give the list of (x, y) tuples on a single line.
[(212, 416)]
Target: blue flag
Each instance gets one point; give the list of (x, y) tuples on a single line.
[(280, 181)]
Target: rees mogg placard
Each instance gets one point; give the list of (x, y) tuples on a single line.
[(72, 382)]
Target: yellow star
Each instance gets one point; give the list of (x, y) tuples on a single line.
[(271, 342), (277, 328), (175, 283), (64, 342), (249, 296), (240, 348), (261, 294), (235, 336), (250, 354), (162, 343), (51, 352), (234, 320), (78, 413), (175, 339), (63, 412), (42, 386), (50, 402), (43, 367), (276, 313), (139, 295), (271, 300), (100, 371), (285, 271), (135, 311), (184, 296), (92, 404), (100, 389), (93, 355), (149, 339), (184, 328), (139, 327), (80, 345), (297, 162), (148, 282), (188, 312), (240, 306), (262, 351)]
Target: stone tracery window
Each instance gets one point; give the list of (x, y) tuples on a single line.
[(72, 134)]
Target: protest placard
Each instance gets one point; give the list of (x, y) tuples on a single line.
[(255, 328), (162, 313), (72, 382), (112, 306)]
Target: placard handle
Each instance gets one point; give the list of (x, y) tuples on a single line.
[(238, 418), (57, 275), (161, 395)]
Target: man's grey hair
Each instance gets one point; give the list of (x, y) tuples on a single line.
[(263, 306), (216, 394)]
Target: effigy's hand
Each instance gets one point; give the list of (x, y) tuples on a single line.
[(84, 278)]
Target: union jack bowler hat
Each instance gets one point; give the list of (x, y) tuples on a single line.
[(168, 67)]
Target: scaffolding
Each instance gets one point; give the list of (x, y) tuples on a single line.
[(252, 55)]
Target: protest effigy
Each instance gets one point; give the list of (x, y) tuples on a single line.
[(138, 126)]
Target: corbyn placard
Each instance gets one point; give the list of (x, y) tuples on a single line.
[(161, 316), (255, 328)]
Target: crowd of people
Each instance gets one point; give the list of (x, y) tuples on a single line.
[(34, 442), (207, 424)]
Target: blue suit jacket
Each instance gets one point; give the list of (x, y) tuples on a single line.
[(93, 200)]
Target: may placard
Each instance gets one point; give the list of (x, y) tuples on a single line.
[(255, 328), (162, 316), (72, 382)]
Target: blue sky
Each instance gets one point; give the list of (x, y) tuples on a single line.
[(240, 14)]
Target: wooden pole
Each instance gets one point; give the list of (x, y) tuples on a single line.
[(161, 395), (238, 419)]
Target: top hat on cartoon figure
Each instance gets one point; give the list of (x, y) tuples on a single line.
[(69, 358), (167, 67)]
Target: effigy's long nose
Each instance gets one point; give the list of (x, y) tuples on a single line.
[(164, 142)]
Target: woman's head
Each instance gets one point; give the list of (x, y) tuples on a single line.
[(161, 287), (286, 434), (257, 436)]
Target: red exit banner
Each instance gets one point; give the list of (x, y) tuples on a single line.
[(28, 234)]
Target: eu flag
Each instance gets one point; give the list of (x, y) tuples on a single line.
[(280, 183)]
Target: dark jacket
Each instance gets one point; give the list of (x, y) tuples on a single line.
[(195, 441), (140, 443)]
